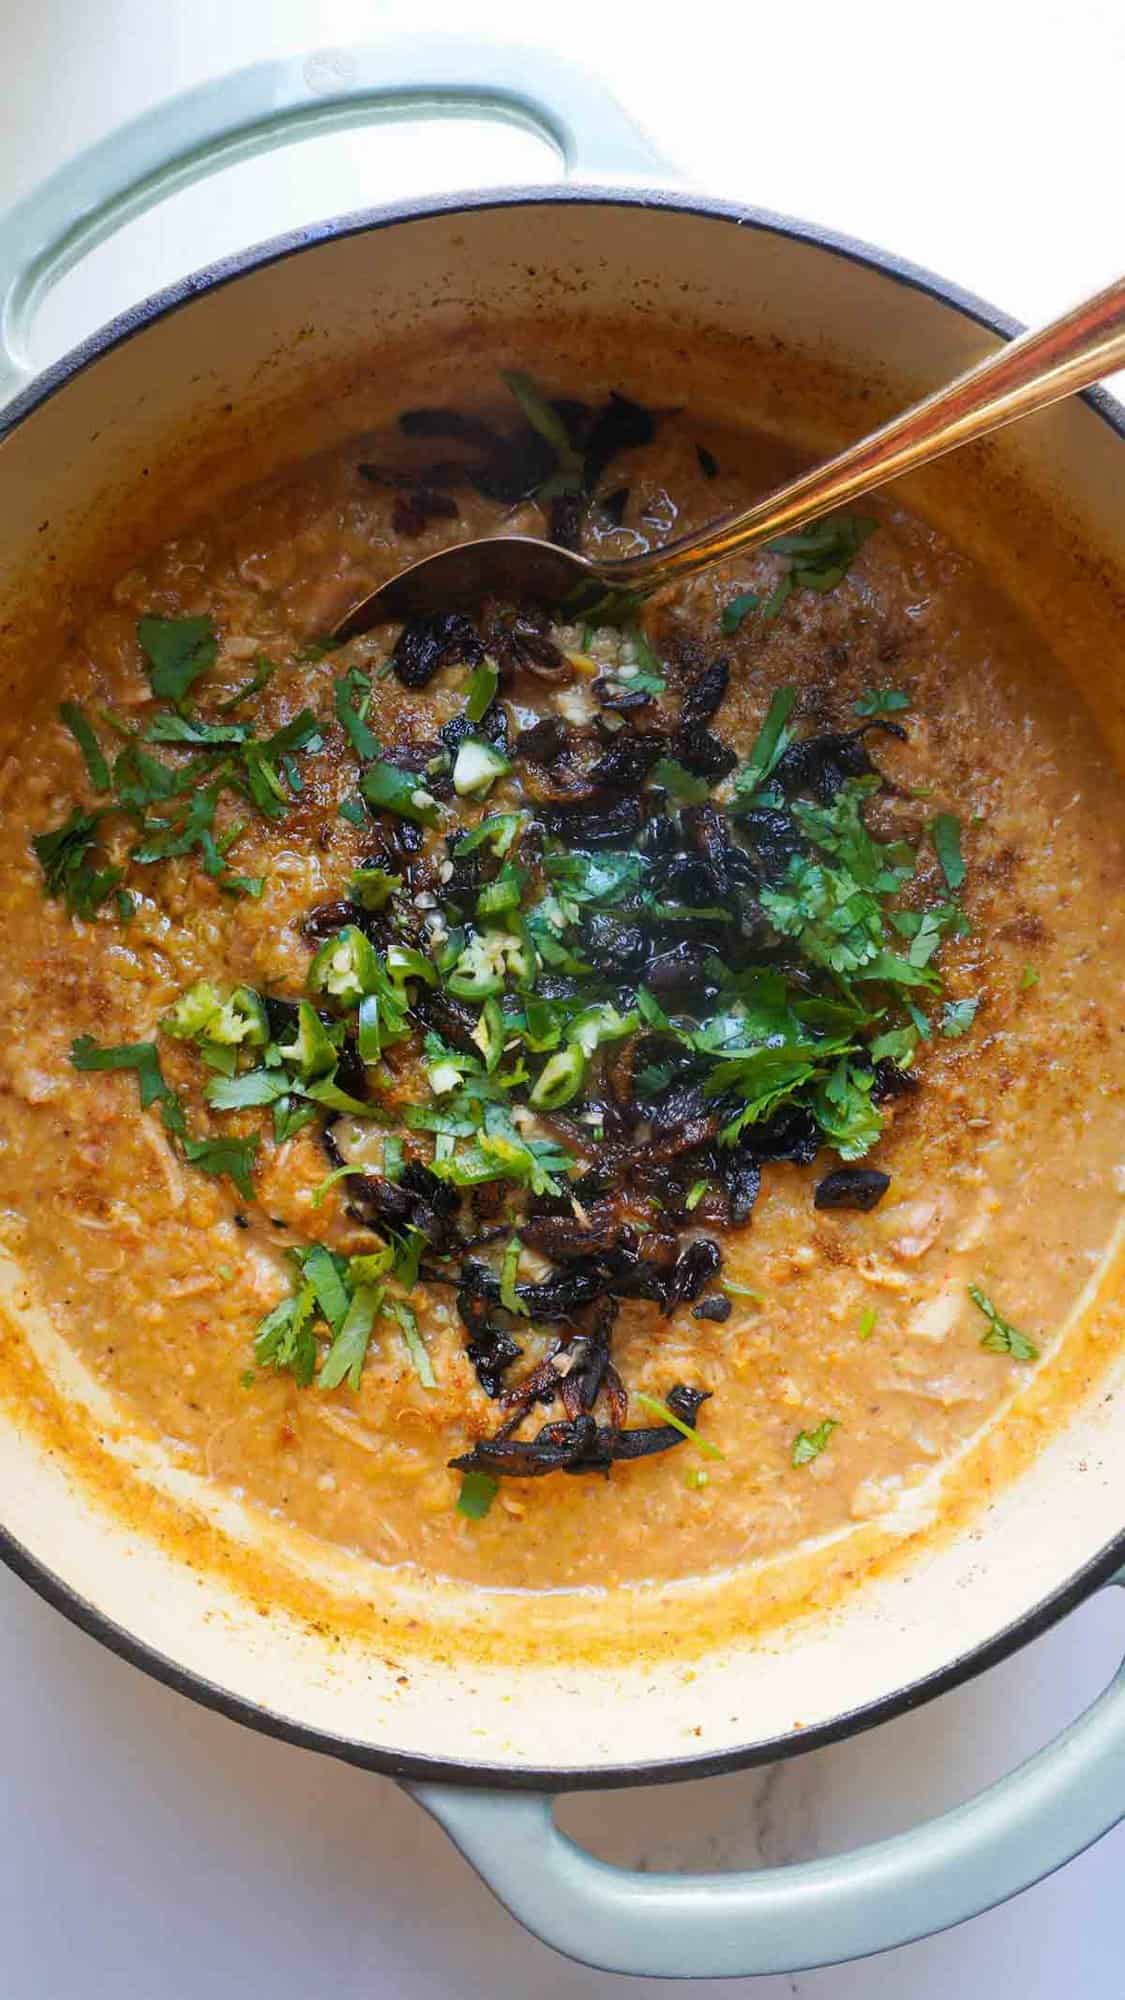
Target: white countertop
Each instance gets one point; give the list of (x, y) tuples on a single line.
[(147, 1846)]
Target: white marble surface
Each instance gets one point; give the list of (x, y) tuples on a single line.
[(149, 1847)]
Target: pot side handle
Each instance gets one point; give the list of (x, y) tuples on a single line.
[(235, 117), (813, 1913)]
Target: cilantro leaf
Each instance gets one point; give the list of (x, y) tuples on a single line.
[(733, 613), (415, 1345), (64, 855), (352, 696), (848, 1118), (881, 701), (177, 651), (348, 1352), (680, 782), (601, 879), (172, 728), (771, 741), (957, 1018), (285, 1336), (253, 1087), (80, 727), (225, 1156), (264, 671), (655, 1408), (1001, 1337), (478, 1491), (544, 418), (143, 1059), (808, 1445), (821, 555), (324, 1273), (945, 832)]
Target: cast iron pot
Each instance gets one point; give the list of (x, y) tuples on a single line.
[(473, 1747)]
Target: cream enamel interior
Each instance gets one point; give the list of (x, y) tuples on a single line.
[(276, 362)]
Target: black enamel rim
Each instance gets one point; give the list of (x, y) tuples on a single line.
[(50, 1587)]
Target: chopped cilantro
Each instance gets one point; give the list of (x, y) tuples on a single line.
[(285, 1336), (264, 671), (821, 555), (169, 727), (415, 1345), (945, 832), (142, 1058), (64, 854), (177, 651), (897, 1045), (1000, 1336), (603, 879), (733, 613), (772, 740), (867, 1321), (261, 761), (848, 1118), (352, 697), (290, 1115), (779, 597), (323, 1187), (544, 418), (957, 1017), (680, 782), (225, 1156), (478, 1491), (242, 1093), (93, 757), (808, 1445), (655, 1408), (881, 701), (348, 1352), (324, 1272), (1029, 977), (742, 1291)]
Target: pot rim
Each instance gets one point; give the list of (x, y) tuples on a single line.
[(62, 1596)]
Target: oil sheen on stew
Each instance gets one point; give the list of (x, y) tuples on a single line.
[(558, 1098)]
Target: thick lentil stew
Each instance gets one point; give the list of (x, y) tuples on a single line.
[(558, 1099)]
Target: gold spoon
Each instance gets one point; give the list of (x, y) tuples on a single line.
[(1028, 374)]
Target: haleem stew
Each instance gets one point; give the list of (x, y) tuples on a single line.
[(556, 1099)]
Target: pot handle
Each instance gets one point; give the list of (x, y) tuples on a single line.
[(235, 117), (790, 1919)]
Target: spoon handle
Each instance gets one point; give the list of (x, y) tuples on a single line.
[(1027, 374)]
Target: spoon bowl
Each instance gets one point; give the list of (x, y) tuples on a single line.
[(1027, 374), (516, 569)]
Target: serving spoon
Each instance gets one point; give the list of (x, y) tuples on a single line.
[(1026, 375)]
